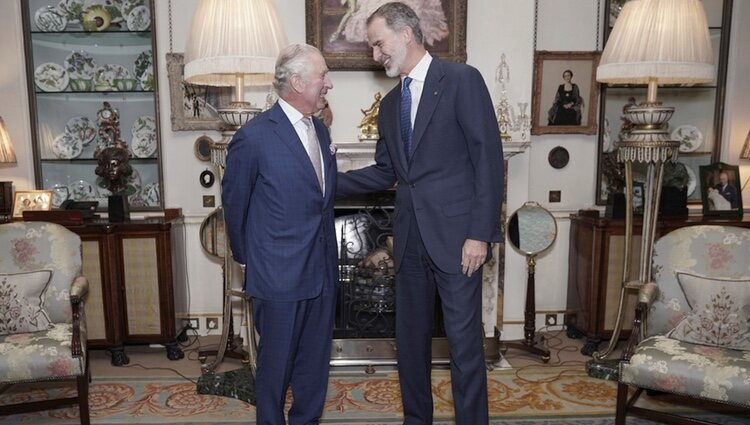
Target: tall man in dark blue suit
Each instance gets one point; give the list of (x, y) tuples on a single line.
[(439, 140), (278, 205)]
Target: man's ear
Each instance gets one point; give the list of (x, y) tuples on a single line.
[(297, 83)]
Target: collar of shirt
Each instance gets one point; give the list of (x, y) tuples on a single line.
[(418, 75)]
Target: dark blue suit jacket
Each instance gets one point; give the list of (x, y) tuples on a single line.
[(454, 181), (278, 222)]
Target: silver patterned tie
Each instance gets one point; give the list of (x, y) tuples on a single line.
[(312, 146)]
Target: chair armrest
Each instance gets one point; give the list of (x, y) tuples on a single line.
[(78, 291)]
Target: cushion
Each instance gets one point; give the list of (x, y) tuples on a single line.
[(720, 312), (21, 298)]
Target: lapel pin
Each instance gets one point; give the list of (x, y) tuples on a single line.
[(334, 148), (435, 94)]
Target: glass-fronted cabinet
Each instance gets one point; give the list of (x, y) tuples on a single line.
[(698, 116), (91, 82)]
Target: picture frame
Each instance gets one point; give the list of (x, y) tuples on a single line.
[(720, 189), (638, 197), (548, 117), (31, 200), (348, 48), (193, 107)]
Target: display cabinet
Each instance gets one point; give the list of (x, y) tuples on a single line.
[(80, 57), (698, 116)]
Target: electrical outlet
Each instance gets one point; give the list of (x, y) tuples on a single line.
[(555, 196), (550, 319), (192, 323), (212, 323), (209, 201)]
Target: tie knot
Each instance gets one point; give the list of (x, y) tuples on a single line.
[(407, 82), (308, 122)]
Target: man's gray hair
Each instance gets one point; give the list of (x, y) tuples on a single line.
[(291, 61), (398, 16)]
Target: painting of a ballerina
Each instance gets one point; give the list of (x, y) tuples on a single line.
[(339, 29)]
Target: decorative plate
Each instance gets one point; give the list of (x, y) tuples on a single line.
[(128, 6), (71, 9), (49, 19), (139, 19), (689, 136), (80, 65), (143, 145), (692, 181), (60, 194), (82, 190), (150, 194), (143, 62), (67, 146), (105, 76), (143, 125), (51, 77), (147, 80), (81, 128)]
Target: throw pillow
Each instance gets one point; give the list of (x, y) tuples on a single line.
[(21, 298), (720, 312)]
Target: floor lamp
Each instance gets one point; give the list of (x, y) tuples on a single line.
[(653, 42), (232, 43)]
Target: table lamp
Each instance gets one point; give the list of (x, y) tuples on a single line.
[(232, 43), (7, 156), (653, 42)]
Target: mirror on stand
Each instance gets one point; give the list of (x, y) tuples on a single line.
[(531, 230)]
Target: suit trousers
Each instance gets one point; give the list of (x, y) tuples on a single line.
[(416, 282), (294, 350)]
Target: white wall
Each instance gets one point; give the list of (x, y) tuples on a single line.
[(494, 27)]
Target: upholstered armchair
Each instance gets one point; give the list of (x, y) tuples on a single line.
[(690, 335), (42, 322)]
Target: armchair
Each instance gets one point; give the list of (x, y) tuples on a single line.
[(687, 319), (42, 321)]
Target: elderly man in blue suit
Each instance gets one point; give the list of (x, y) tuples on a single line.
[(440, 141), (278, 205)]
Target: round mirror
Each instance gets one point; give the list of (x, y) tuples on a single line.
[(212, 234), (202, 148), (531, 229)]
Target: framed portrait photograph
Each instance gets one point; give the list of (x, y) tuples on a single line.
[(193, 107), (339, 29), (638, 197), (31, 200), (565, 93), (720, 189)]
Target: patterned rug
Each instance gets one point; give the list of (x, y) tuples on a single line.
[(550, 395)]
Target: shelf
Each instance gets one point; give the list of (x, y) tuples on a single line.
[(74, 161)]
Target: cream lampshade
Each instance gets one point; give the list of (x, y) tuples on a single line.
[(234, 43), (653, 42)]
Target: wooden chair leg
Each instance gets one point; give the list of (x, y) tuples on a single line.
[(622, 404), (83, 398)]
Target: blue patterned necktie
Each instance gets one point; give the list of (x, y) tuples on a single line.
[(406, 116)]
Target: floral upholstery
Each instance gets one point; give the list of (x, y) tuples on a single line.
[(678, 367), (59, 351), (666, 364)]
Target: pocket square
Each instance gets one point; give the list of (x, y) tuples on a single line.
[(334, 148)]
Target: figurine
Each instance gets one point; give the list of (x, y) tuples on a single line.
[(368, 128), (108, 119)]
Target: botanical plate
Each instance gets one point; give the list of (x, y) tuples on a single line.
[(71, 9), (692, 181), (143, 62), (81, 127), (147, 80), (143, 125), (67, 146), (80, 65), (689, 136), (49, 19), (82, 190), (139, 19), (60, 194), (51, 77), (150, 194), (128, 6), (105, 76), (143, 145)]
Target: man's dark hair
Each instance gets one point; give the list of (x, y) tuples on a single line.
[(398, 16)]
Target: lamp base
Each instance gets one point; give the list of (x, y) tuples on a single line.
[(236, 114)]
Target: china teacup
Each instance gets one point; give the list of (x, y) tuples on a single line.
[(125, 84), (81, 84)]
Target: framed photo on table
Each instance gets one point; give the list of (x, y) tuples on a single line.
[(720, 189), (31, 200), (339, 29), (565, 93)]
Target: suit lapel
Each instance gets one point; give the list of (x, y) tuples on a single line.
[(285, 130), (431, 93), (324, 140)]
